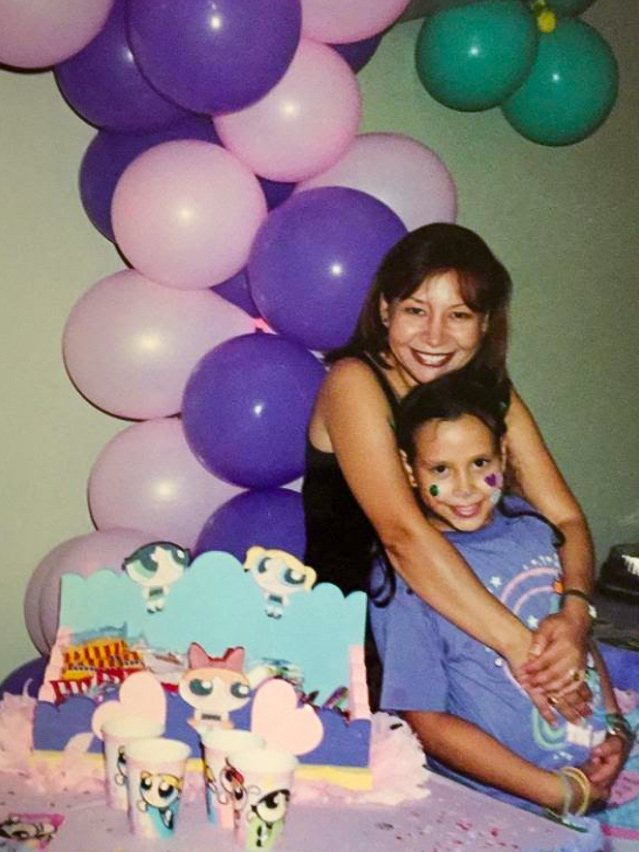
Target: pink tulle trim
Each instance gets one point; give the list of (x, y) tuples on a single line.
[(397, 762)]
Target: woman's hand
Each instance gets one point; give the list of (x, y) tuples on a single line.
[(559, 654), (572, 705)]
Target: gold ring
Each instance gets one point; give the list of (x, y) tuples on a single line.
[(553, 700)]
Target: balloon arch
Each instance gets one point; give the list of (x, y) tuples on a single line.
[(227, 169)]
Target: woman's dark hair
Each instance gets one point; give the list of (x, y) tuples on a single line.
[(434, 249)]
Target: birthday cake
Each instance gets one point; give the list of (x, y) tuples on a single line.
[(212, 643)]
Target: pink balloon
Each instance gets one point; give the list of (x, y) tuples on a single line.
[(304, 124), (185, 213), (37, 583), (147, 477), (130, 344), (340, 21), (40, 33), (82, 555), (406, 175)]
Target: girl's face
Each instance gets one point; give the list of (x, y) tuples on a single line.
[(458, 471), (432, 332)]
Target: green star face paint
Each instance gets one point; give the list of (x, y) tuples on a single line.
[(433, 491)]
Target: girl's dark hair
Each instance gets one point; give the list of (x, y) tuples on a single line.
[(448, 398), (434, 249)]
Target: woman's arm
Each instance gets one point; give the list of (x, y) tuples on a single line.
[(352, 420), (467, 749), (564, 636)]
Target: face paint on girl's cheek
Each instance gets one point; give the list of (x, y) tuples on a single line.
[(494, 481), (433, 491)]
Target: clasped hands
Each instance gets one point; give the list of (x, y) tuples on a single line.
[(554, 673)]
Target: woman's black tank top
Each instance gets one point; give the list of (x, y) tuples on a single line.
[(340, 540)]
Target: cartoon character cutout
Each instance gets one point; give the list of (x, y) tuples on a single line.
[(28, 831), (279, 575), (155, 567), (266, 819), (214, 686), (121, 771), (160, 799)]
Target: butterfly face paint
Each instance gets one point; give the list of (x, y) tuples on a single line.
[(457, 470)]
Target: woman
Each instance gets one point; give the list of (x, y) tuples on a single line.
[(439, 303)]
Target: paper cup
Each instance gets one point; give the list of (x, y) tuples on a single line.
[(156, 769), (116, 733), (219, 780), (265, 779)]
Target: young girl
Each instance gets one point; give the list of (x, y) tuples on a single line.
[(472, 718)]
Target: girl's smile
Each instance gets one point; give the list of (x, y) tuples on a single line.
[(457, 471)]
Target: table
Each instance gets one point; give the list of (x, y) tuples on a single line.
[(452, 819)]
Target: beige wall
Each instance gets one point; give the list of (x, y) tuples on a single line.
[(563, 220)]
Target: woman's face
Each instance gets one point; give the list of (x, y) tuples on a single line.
[(432, 332)]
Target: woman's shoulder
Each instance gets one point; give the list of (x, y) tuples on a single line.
[(352, 374)]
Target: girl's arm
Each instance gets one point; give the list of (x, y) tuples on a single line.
[(563, 638), (466, 748), (607, 759), (353, 420)]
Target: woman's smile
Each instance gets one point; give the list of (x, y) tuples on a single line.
[(433, 331)]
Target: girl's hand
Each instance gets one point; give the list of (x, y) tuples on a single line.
[(559, 651), (606, 761)]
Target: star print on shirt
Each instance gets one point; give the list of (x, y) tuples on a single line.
[(533, 622), (496, 582)]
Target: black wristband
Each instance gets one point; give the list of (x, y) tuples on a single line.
[(577, 593), (618, 726)]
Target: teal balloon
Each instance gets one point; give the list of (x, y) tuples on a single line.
[(570, 90), (569, 8), (472, 57)]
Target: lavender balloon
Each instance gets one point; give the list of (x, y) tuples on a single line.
[(313, 260), (146, 476), (246, 409), (110, 153), (104, 85), (214, 57), (269, 517)]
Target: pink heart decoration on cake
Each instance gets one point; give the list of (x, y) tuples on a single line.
[(141, 694), (277, 717)]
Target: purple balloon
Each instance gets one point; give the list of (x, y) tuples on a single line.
[(313, 261), (110, 153), (275, 191), (246, 408), (359, 53), (214, 57), (29, 675), (269, 517), (237, 291), (104, 85)]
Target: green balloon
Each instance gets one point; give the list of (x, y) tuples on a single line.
[(472, 57), (570, 90), (569, 8)]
